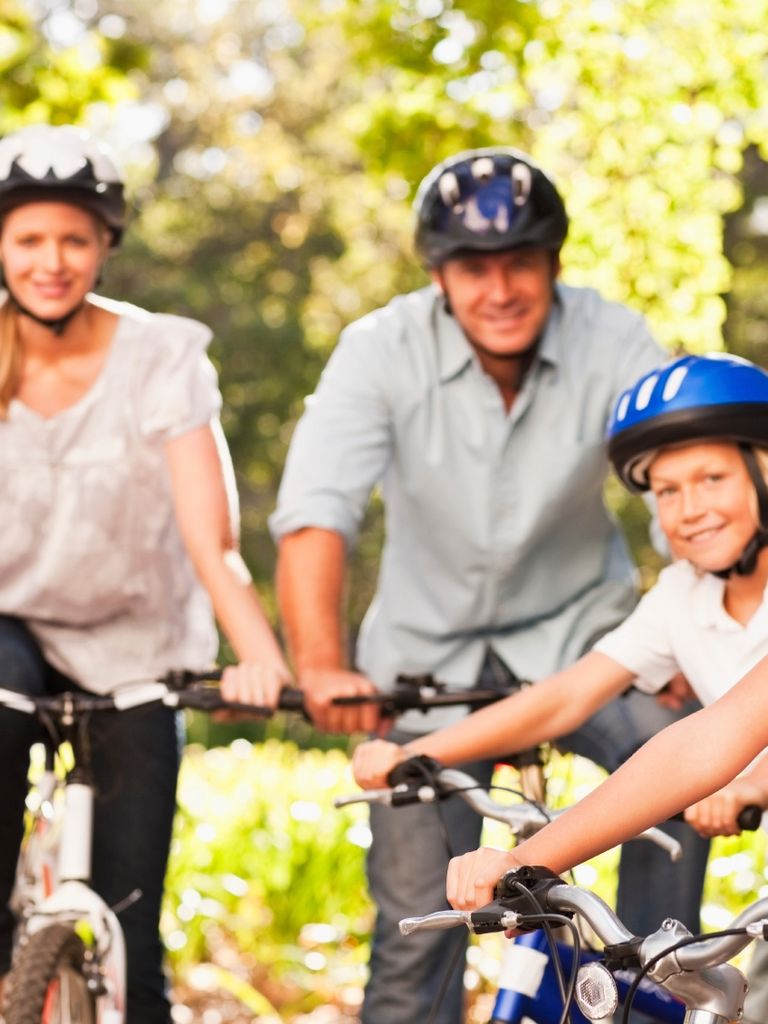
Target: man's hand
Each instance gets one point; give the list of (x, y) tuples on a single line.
[(373, 761), (716, 815), (471, 878), (320, 686)]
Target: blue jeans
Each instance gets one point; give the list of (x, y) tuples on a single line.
[(408, 860), (135, 757)]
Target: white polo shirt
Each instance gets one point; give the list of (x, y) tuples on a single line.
[(680, 625)]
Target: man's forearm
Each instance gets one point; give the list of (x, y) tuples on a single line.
[(310, 590)]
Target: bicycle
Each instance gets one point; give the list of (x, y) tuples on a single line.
[(69, 954), (693, 969), (528, 986), (69, 959)]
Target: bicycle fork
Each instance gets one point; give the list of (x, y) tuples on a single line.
[(74, 902), (528, 986)]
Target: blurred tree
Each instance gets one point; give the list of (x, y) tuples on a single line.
[(288, 137), (746, 246), (42, 83)]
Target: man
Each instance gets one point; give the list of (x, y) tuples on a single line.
[(479, 406)]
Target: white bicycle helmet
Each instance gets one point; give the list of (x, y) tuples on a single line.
[(61, 162)]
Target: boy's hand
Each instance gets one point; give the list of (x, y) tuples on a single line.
[(717, 815), (373, 761), (472, 877)]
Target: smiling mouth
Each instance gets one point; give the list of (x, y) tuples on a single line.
[(512, 316), (52, 290), (703, 536)]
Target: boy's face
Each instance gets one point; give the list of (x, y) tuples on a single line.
[(706, 502)]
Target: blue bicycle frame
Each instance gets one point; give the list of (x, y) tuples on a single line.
[(528, 986)]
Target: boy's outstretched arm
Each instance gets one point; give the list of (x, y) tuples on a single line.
[(682, 764), (548, 709)]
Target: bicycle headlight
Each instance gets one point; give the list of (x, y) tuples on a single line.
[(596, 993)]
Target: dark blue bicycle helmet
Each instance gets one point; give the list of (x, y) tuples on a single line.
[(487, 200), (716, 397)]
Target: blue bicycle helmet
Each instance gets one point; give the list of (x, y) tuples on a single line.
[(487, 200), (716, 396), (695, 398)]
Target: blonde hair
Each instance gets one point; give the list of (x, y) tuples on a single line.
[(10, 357)]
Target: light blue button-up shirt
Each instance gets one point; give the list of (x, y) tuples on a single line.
[(496, 531)]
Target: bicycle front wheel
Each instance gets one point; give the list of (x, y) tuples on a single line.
[(46, 984)]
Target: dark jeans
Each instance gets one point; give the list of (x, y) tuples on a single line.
[(135, 764), (408, 860)]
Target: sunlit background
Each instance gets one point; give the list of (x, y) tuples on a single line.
[(272, 148)]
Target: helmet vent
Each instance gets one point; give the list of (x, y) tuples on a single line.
[(449, 188), (674, 382), (645, 391), (623, 406), (483, 168), (521, 183)]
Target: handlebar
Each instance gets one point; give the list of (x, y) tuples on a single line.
[(420, 693), (188, 689), (524, 819), (693, 968), (510, 909), (191, 693), (411, 693)]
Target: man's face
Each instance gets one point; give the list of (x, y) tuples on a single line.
[(500, 299)]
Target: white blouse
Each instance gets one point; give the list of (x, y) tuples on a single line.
[(90, 554)]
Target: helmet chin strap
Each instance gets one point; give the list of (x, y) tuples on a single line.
[(746, 563), (55, 324)]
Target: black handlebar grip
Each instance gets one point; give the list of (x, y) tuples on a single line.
[(291, 699), (749, 818), (415, 771)]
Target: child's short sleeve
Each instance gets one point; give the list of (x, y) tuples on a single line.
[(643, 642)]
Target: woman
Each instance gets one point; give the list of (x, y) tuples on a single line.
[(119, 539)]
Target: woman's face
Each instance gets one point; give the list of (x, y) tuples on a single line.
[(706, 503), (51, 254)]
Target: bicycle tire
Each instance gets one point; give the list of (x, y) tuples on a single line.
[(46, 984)]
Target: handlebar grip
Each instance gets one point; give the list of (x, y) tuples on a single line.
[(291, 699), (749, 818), (414, 771), (210, 699)]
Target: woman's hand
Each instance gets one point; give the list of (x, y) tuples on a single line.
[(373, 761), (471, 878), (255, 682), (717, 815)]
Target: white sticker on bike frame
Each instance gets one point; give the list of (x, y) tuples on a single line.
[(522, 969)]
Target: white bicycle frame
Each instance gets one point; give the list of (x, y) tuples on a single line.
[(53, 878)]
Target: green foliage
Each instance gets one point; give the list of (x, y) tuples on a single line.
[(265, 873), (42, 83), (266, 885), (294, 136)]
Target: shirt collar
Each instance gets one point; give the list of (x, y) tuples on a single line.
[(708, 608), (455, 353)]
